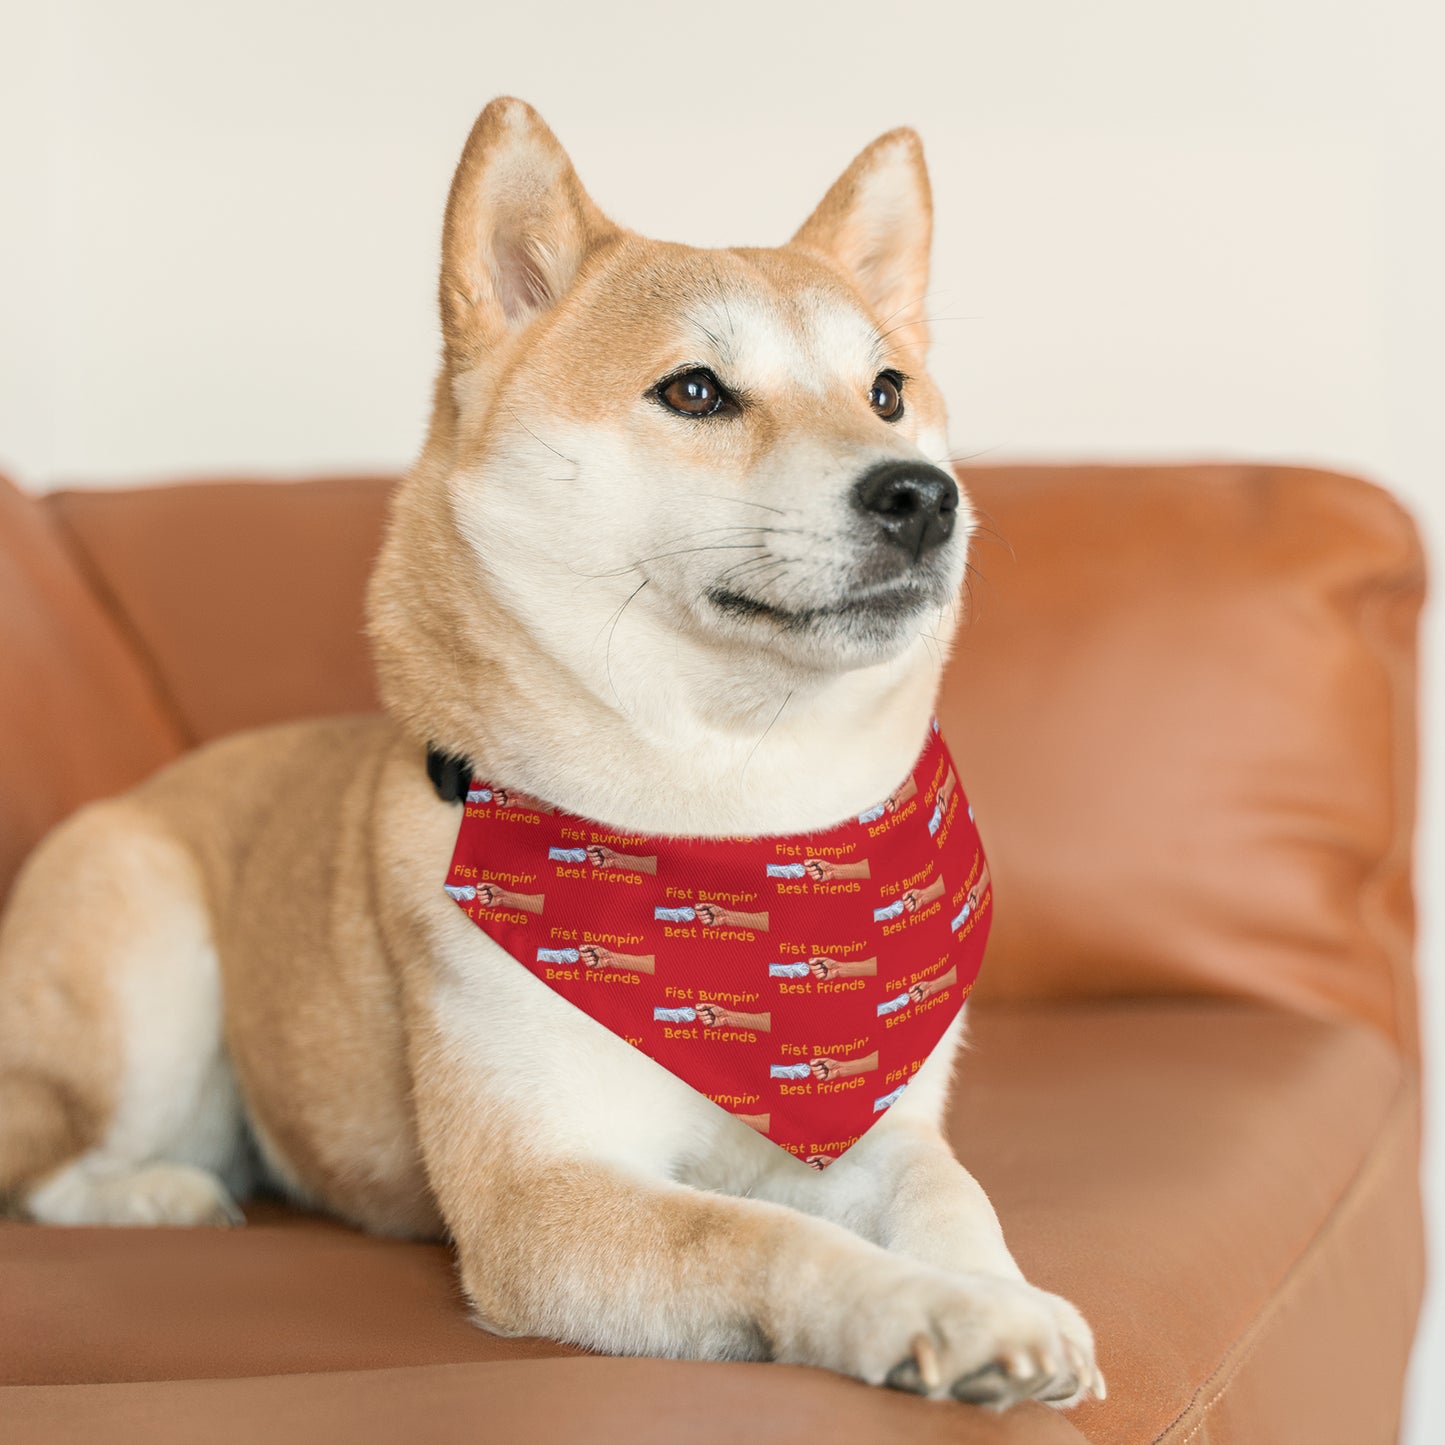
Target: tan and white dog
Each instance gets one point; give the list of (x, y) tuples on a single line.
[(675, 555)]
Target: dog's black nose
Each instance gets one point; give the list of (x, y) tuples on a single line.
[(914, 504)]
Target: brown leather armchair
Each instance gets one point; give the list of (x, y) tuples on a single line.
[(1185, 713)]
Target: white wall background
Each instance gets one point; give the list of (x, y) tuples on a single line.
[(1165, 229)]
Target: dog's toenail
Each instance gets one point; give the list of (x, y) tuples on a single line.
[(1020, 1365), (927, 1357)]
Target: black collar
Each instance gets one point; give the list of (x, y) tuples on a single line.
[(450, 774)]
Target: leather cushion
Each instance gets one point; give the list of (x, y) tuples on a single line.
[(1177, 1169)]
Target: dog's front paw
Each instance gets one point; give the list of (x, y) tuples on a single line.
[(979, 1338)]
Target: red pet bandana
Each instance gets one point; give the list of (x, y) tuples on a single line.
[(797, 981)]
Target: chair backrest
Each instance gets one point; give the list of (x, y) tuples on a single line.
[(1183, 706), (246, 596), (79, 714)]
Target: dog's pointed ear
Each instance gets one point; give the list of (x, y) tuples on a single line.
[(877, 223), (518, 227)]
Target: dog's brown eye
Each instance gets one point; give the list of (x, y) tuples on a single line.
[(886, 398), (694, 393)]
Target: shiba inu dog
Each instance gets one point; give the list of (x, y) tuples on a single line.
[(677, 554)]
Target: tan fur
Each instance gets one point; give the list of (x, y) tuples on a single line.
[(263, 922)]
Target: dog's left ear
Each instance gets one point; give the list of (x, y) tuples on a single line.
[(877, 223)]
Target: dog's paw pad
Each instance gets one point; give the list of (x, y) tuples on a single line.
[(904, 1376), (1061, 1391), (988, 1386)]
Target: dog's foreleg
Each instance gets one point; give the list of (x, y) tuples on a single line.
[(900, 1187), (616, 1259), (584, 1252)]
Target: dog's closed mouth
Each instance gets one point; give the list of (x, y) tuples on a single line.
[(884, 603)]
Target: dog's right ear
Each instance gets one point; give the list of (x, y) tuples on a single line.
[(518, 227)]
